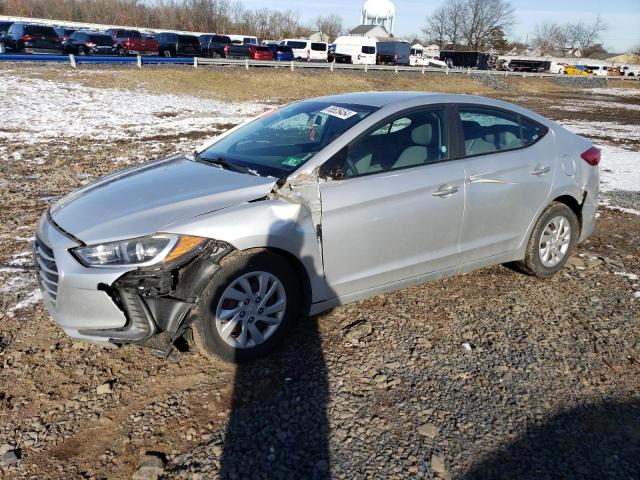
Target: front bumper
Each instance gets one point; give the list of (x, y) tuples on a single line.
[(118, 305)]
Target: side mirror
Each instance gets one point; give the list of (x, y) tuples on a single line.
[(334, 167)]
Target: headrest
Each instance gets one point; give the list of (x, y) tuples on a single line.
[(421, 135), (471, 129)]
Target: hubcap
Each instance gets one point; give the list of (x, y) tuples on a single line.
[(554, 242), (251, 309)]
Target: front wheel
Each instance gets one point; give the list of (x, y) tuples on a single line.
[(552, 240), (247, 308)]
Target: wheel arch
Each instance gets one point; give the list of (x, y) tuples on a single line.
[(301, 273), (571, 202)]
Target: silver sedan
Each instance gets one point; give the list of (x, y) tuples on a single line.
[(310, 206)]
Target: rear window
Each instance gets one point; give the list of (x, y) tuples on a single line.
[(284, 48), (188, 39), (100, 39), (319, 47), (369, 50), (40, 30), (297, 45), (4, 26), (221, 39), (262, 49), (129, 34)]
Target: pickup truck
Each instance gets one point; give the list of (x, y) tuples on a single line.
[(221, 46), (174, 45), (131, 42)]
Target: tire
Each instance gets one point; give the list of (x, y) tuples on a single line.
[(539, 258), (208, 321)]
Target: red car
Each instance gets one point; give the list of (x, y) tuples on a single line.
[(131, 42), (259, 52)]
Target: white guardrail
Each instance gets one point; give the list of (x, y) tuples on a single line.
[(294, 65), (196, 62)]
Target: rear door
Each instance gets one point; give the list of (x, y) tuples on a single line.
[(509, 173), (42, 37), (397, 211)]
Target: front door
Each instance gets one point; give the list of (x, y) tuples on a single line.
[(397, 211)]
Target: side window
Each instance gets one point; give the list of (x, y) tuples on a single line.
[(410, 140), (487, 130), (369, 50), (531, 132)]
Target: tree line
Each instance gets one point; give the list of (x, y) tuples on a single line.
[(484, 24), (219, 16)]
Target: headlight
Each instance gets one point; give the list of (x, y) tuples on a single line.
[(137, 252)]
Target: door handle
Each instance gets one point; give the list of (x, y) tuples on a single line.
[(446, 190), (540, 170)]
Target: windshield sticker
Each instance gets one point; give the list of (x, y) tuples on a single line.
[(339, 112), (295, 160)]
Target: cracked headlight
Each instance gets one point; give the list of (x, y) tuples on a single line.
[(137, 252)]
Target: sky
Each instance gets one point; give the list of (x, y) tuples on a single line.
[(622, 16)]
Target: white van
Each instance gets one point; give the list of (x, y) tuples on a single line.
[(306, 49), (244, 39), (351, 49)]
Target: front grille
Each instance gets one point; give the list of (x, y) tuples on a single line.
[(47, 269)]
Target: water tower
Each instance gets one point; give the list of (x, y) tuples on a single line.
[(379, 12)]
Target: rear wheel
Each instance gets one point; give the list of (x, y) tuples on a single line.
[(247, 308), (552, 240)]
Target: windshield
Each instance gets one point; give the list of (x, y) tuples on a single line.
[(281, 141)]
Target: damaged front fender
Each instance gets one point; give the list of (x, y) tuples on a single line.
[(157, 299)]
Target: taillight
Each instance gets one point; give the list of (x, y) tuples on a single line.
[(592, 156), (226, 49), (90, 44), (25, 38), (115, 44)]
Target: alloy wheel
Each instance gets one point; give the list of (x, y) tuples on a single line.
[(251, 309), (554, 241)]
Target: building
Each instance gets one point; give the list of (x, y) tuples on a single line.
[(379, 12), (374, 31)]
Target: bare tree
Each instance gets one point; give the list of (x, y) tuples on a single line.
[(544, 37), (435, 28), (331, 25), (482, 17), (570, 38), (473, 23)]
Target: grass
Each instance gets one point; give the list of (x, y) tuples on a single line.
[(280, 85)]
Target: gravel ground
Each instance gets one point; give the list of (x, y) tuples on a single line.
[(487, 375)]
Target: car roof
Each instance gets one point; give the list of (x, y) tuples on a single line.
[(377, 99), (408, 99)]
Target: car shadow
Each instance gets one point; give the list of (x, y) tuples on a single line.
[(278, 426), (594, 441)]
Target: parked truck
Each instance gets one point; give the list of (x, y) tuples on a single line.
[(131, 42), (175, 45), (393, 52)]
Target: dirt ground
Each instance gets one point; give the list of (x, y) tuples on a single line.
[(487, 375)]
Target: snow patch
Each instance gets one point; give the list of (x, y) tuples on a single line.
[(34, 297), (67, 111)]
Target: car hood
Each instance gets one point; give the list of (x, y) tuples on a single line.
[(145, 199)]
